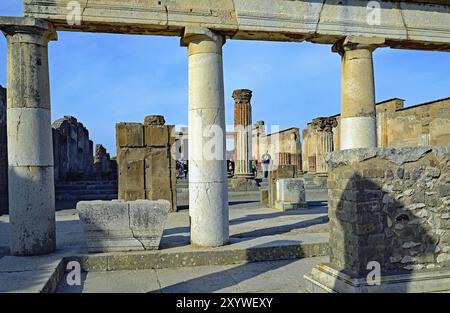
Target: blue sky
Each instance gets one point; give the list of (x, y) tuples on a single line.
[(102, 79)]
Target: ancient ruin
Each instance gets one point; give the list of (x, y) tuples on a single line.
[(3, 155), (145, 162), (388, 207), (423, 124)]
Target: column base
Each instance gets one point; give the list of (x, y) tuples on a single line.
[(324, 278)]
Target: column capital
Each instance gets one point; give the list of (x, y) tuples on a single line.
[(198, 34), (357, 43), (324, 123), (11, 26), (242, 95)]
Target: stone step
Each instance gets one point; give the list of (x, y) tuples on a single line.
[(86, 197), (85, 192), (237, 252)]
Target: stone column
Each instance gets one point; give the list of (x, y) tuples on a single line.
[(358, 118), (324, 125), (30, 149), (242, 132), (208, 189), (3, 155)]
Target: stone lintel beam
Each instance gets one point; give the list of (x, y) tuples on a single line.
[(405, 24)]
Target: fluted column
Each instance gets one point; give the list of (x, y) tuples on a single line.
[(242, 132), (30, 149), (324, 125), (358, 116), (208, 189)]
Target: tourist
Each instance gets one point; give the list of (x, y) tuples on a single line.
[(266, 163), (185, 169)]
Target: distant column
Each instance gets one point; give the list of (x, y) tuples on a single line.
[(30, 148), (208, 183), (358, 120), (324, 125), (242, 132)]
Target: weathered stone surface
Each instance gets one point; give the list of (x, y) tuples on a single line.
[(129, 135), (30, 151), (242, 132), (290, 194), (72, 150), (3, 155), (413, 24), (396, 219), (123, 225), (158, 135), (397, 126), (283, 171), (154, 120), (243, 184), (264, 198), (147, 171), (208, 197), (104, 167)]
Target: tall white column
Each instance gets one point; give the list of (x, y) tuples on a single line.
[(358, 116), (30, 149), (208, 186)]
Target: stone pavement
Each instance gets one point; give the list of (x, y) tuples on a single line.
[(276, 276), (257, 233)]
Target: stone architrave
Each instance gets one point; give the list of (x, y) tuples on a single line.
[(208, 184), (146, 167), (30, 150), (358, 117), (111, 226), (242, 132)]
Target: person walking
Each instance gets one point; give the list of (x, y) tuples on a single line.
[(266, 163), (185, 169)]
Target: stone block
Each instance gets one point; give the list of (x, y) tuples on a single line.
[(148, 171), (395, 217), (264, 197), (123, 225), (290, 194), (158, 135), (130, 135)]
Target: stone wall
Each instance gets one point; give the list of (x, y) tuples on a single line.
[(146, 166), (284, 147), (419, 125), (3, 155), (72, 150), (104, 167), (391, 206)]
